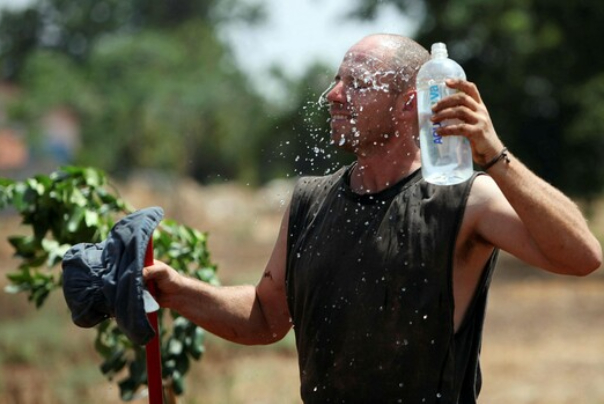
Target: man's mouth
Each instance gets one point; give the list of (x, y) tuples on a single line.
[(340, 116)]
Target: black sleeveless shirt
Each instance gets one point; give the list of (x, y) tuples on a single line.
[(369, 289)]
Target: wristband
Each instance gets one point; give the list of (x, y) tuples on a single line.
[(503, 155)]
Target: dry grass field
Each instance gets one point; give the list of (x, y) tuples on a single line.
[(543, 340)]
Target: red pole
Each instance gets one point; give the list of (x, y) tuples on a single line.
[(154, 379)]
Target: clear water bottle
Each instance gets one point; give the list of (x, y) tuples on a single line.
[(445, 160)]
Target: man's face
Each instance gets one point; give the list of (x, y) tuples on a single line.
[(362, 101)]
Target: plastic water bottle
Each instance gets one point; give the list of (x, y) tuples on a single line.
[(445, 160)]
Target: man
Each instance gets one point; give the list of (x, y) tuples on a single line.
[(382, 275)]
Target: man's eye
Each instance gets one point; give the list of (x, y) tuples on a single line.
[(361, 84)]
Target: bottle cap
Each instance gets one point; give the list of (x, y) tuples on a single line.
[(439, 50)]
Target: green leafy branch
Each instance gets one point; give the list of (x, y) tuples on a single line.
[(74, 205)]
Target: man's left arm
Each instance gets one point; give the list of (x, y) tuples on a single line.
[(522, 214)]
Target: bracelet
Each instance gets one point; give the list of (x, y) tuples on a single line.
[(503, 155)]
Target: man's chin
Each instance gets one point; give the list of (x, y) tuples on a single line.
[(344, 143)]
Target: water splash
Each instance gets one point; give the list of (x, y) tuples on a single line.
[(322, 102)]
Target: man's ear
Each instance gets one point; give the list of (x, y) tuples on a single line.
[(406, 105), (409, 101)]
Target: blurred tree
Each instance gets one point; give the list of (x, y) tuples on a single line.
[(171, 104), (19, 33), (152, 83), (73, 27), (536, 64)]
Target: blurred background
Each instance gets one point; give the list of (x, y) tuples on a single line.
[(209, 109)]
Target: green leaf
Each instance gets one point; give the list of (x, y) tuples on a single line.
[(55, 251), (94, 178), (73, 223), (25, 246), (114, 363), (13, 289), (92, 218), (178, 382), (197, 348), (77, 198), (175, 347), (6, 182), (128, 388)]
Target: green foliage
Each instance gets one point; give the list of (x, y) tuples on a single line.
[(169, 103), (19, 34), (172, 101), (586, 143), (535, 65), (151, 83), (73, 205), (57, 81), (72, 27)]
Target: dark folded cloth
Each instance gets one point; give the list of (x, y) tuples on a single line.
[(105, 279)]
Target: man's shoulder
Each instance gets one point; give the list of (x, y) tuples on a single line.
[(483, 189), (484, 198), (312, 183)]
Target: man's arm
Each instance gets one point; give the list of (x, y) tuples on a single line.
[(243, 314), (516, 210), (540, 226)]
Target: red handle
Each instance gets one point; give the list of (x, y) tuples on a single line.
[(154, 379)]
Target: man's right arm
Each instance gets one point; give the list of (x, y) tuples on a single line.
[(246, 314)]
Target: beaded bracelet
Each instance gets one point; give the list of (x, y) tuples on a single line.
[(503, 155)]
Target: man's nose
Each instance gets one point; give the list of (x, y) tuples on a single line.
[(337, 93)]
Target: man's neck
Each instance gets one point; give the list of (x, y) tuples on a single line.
[(377, 172)]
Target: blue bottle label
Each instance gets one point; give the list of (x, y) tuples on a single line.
[(435, 96), (437, 92)]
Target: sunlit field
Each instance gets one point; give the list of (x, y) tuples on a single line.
[(543, 341)]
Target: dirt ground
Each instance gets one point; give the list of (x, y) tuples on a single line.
[(543, 339)]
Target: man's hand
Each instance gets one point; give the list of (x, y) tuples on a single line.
[(474, 121), (167, 280)]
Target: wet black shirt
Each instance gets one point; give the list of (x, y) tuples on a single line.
[(369, 288)]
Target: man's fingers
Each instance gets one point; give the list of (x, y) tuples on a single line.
[(456, 100), (465, 87), (459, 129), (458, 112), (147, 274), (152, 272)]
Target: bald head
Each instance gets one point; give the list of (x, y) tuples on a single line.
[(401, 55)]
